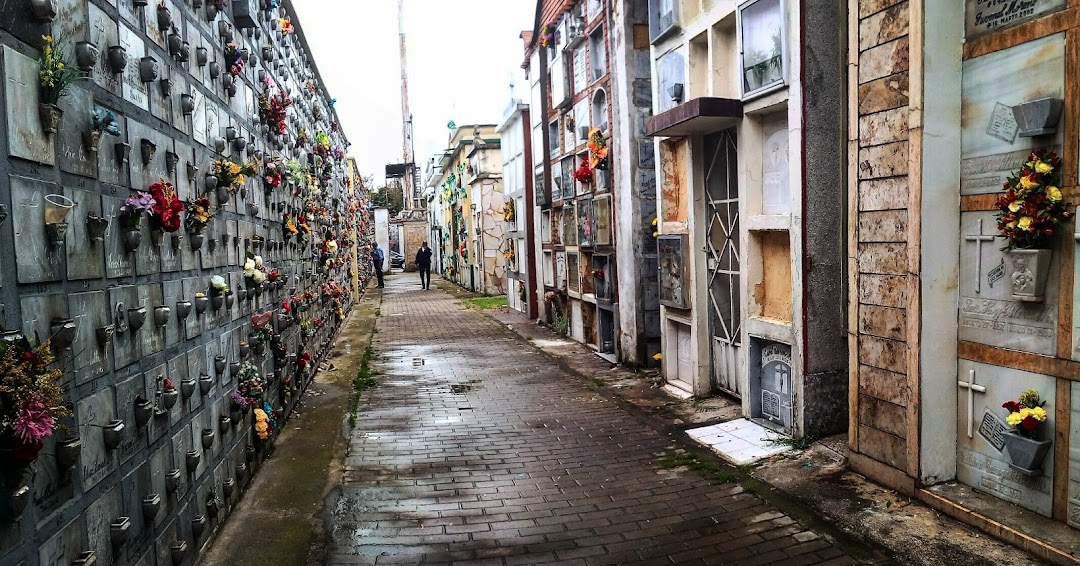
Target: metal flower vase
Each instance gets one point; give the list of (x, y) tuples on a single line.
[(1026, 454), (1028, 273)]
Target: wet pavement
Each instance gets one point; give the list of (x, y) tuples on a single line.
[(477, 449)]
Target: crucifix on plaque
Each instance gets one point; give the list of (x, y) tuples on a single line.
[(972, 390), (978, 239)]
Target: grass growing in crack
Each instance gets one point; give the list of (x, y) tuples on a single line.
[(486, 302), (711, 471), (365, 379), (798, 443), (599, 381)]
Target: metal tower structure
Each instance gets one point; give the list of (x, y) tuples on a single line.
[(410, 184)]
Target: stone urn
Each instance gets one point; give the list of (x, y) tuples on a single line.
[(1026, 454), (86, 55), (1028, 272), (50, 115), (117, 59), (132, 238)]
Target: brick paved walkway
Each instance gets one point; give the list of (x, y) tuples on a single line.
[(476, 449)]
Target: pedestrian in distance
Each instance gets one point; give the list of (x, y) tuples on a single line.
[(377, 261), (423, 263)]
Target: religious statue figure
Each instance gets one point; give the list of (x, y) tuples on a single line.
[(1022, 278)]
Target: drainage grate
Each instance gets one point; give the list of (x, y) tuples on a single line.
[(418, 361)]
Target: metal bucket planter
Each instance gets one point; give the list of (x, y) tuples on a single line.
[(191, 460), (230, 300), (132, 239), (172, 480), (178, 552), (91, 140), (143, 409), (241, 473), (208, 438), (119, 531), (148, 69), (196, 241), (202, 56), (117, 59), (215, 69), (169, 397), (62, 333), (151, 505), (183, 309), (1026, 454), (216, 302), (212, 506), (164, 18), (234, 368), (43, 10), (136, 318), (187, 103), (200, 304), (104, 335), (224, 423), (161, 316), (245, 349), (223, 195), (187, 387), (1028, 271), (86, 55), (113, 434), (205, 383), (68, 452), (50, 115), (227, 487), (198, 526), (219, 365)]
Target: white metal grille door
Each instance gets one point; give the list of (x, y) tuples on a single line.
[(722, 255)]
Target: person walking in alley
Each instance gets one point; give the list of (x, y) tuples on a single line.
[(423, 263), (377, 262)]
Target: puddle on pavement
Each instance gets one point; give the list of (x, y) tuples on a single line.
[(463, 388)]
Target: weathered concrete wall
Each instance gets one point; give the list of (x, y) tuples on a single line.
[(634, 173)]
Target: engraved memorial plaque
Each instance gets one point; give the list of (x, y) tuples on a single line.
[(95, 461), (135, 91), (85, 258), (90, 311), (35, 257), (987, 157), (134, 438), (127, 343), (26, 138), (986, 16), (118, 261), (64, 547), (991, 429), (103, 34)]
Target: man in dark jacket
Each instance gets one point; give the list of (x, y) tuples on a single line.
[(377, 261), (423, 263)]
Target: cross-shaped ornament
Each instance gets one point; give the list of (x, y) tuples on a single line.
[(972, 390), (979, 239)]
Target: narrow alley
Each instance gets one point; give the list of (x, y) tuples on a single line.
[(476, 449)]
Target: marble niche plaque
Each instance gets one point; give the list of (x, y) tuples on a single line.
[(134, 487), (118, 261), (980, 463), (85, 259), (64, 547), (90, 311), (153, 338), (103, 33), (988, 315), (990, 150), (96, 462), (37, 261), (98, 517), (126, 343), (986, 16), (134, 436), (26, 139), (135, 91)]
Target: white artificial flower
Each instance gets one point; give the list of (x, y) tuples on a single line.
[(258, 261), (259, 277), (217, 282)]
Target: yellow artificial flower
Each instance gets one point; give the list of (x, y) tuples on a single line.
[(1013, 419), (1026, 183), (658, 356), (654, 221), (1039, 413), (1042, 167), (1025, 223), (1015, 205), (1052, 193), (1011, 225)]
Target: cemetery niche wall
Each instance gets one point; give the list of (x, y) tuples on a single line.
[(174, 218)]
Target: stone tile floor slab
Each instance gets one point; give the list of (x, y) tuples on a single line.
[(740, 441), (476, 449)]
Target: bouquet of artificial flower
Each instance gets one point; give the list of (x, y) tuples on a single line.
[(1026, 414), (1031, 209), (134, 207), (31, 401), (167, 208)]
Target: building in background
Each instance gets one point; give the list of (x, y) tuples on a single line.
[(468, 194), (750, 248), (593, 206), (518, 212)]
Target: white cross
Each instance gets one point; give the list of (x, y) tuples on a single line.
[(978, 239), (972, 388)]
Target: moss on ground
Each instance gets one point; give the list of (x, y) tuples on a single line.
[(485, 302), (277, 523)]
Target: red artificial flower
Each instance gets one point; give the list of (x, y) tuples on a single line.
[(168, 208), (1029, 424), (168, 384), (1011, 406)]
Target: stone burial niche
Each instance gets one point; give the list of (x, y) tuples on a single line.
[(175, 207)]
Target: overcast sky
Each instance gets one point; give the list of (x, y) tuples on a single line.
[(462, 55)]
